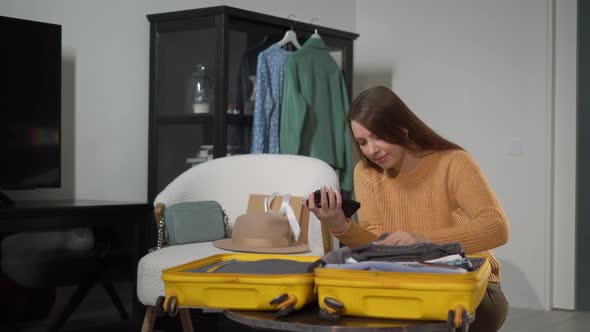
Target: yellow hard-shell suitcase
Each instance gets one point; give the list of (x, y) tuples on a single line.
[(265, 292), (402, 295)]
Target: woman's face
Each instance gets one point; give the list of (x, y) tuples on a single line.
[(384, 154)]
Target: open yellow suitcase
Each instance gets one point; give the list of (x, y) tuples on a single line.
[(264, 292), (402, 295)]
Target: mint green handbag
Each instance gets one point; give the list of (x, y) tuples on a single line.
[(191, 222)]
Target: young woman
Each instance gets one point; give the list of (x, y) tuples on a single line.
[(419, 187)]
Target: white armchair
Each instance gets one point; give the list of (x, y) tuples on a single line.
[(229, 181)]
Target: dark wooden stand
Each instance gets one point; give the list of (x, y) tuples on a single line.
[(125, 226)]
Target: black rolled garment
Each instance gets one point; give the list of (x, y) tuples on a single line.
[(415, 252)]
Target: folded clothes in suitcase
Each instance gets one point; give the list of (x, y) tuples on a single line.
[(402, 295), (241, 281)]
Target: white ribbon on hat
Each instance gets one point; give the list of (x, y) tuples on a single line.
[(285, 209)]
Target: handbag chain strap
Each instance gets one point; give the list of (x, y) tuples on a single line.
[(161, 234), (226, 224)]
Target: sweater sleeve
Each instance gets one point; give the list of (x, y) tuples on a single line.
[(370, 226), (293, 109), (480, 222)]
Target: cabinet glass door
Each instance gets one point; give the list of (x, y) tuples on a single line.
[(246, 41), (180, 147), (341, 52), (186, 67)]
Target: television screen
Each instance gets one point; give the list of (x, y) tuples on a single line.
[(30, 104)]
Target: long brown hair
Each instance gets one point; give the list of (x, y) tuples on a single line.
[(384, 114)]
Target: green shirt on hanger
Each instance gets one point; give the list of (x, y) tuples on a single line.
[(314, 108)]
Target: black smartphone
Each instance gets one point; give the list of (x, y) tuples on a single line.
[(349, 206)]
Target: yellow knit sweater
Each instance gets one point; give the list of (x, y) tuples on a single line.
[(446, 198)]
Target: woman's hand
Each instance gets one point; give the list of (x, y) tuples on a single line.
[(330, 210), (401, 238)]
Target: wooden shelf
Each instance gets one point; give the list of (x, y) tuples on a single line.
[(185, 118), (239, 119)]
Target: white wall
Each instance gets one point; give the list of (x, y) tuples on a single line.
[(481, 73), (105, 88)]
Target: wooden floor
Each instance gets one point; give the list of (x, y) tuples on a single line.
[(522, 320)]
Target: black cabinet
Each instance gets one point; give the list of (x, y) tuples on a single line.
[(202, 63)]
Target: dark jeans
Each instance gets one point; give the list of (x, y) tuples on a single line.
[(492, 310)]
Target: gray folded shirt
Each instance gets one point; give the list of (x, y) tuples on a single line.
[(415, 252), (263, 266)]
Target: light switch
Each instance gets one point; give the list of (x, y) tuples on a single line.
[(515, 146)]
